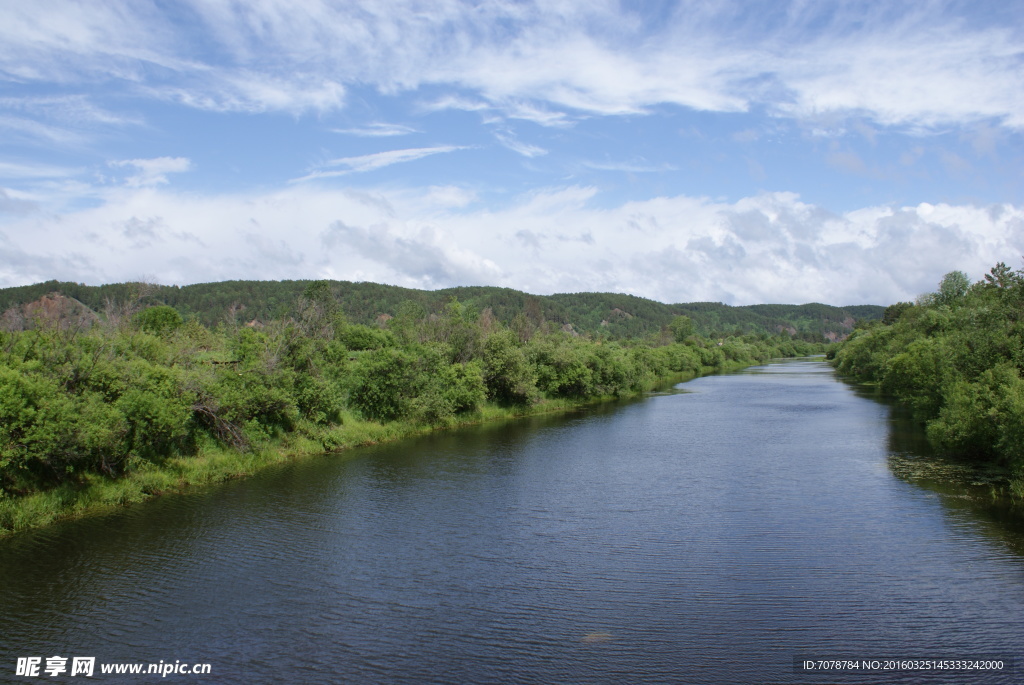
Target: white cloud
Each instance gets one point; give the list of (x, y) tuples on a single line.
[(638, 167), (18, 170), (60, 121), (448, 196), (897, 64), (519, 147), (14, 202), (377, 130), (76, 109), (454, 102), (766, 248), (31, 129), (67, 42), (154, 171), (377, 160)]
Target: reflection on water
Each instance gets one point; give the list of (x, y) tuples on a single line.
[(706, 536), (969, 490), (966, 488)]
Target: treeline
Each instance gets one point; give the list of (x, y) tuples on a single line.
[(608, 315), (130, 394), (956, 358)]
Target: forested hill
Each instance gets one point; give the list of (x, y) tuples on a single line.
[(607, 314)]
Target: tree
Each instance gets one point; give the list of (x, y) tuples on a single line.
[(681, 327), (1002, 277), (158, 320), (385, 382), (894, 311), (509, 376), (952, 288), (318, 309)]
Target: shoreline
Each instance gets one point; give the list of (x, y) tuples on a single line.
[(101, 495)]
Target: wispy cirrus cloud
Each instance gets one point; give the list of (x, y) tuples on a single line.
[(515, 145), (29, 129), (896, 64), (377, 130), (635, 167), (69, 43), (372, 162), (67, 120), (75, 109), (922, 102), (34, 170)]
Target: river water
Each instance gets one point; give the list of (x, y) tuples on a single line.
[(712, 534)]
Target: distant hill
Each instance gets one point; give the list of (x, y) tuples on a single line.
[(608, 314)]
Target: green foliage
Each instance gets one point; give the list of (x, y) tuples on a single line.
[(141, 402), (356, 337), (893, 312), (681, 327), (47, 435), (385, 383), (315, 305), (154, 409), (967, 423), (956, 357), (509, 376), (918, 375), (463, 386), (457, 389), (952, 288), (161, 320)]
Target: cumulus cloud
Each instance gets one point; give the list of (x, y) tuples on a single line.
[(448, 196), (142, 233), (771, 247), (426, 255), (15, 203)]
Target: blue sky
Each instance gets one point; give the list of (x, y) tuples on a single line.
[(743, 152)]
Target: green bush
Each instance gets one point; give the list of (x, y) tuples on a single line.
[(385, 382), (509, 376), (357, 337), (160, 321), (956, 357)]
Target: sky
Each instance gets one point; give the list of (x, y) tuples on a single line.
[(763, 151)]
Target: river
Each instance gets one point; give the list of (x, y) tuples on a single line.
[(721, 532)]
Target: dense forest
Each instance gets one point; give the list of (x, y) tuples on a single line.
[(607, 315), (144, 397), (955, 357)]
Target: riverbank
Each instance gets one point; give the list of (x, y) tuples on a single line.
[(626, 538), (928, 465), (97, 494), (953, 360)]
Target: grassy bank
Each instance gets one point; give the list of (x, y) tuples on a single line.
[(100, 416), (215, 463)]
